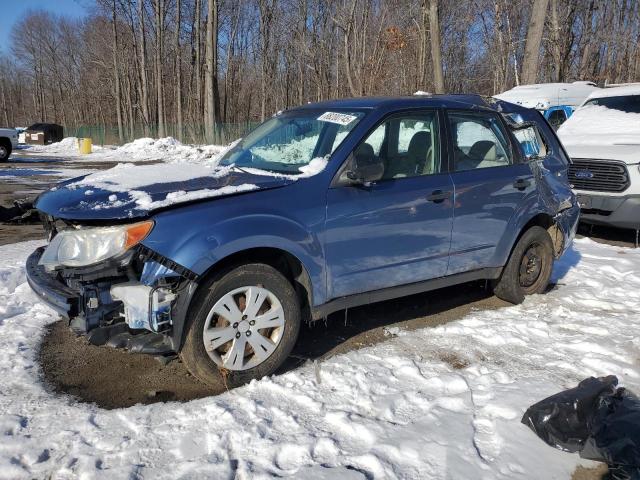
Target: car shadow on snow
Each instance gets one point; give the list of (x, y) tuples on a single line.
[(564, 264)]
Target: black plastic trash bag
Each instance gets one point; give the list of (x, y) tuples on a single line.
[(596, 419)]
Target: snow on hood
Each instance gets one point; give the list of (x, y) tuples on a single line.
[(129, 191), (599, 125)]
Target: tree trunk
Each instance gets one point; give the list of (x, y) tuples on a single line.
[(212, 105), (178, 71), (143, 69), (116, 71), (199, 110), (159, 20), (436, 53), (534, 39)]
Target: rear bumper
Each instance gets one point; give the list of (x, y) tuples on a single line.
[(567, 220), (614, 211), (54, 293)]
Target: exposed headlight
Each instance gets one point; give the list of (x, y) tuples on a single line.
[(86, 246)]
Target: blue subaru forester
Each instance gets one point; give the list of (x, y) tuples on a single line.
[(321, 208)]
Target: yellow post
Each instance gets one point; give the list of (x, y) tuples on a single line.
[(84, 145)]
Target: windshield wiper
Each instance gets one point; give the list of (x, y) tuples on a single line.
[(233, 165)]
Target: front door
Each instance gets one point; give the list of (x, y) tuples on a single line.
[(397, 230), (491, 185)]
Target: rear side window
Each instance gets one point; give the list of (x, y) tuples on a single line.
[(531, 141), (479, 141)]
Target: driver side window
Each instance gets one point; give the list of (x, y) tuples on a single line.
[(407, 145)]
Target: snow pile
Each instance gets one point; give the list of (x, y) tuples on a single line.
[(142, 149), (435, 403), (598, 125)]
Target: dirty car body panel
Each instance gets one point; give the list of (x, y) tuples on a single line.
[(344, 244)]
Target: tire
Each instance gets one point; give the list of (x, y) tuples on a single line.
[(5, 151), (222, 363), (529, 267)]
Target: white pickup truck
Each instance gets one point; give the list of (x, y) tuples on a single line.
[(602, 138), (8, 141)]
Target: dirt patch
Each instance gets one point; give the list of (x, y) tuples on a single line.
[(596, 473), (109, 377), (453, 359), (113, 378)]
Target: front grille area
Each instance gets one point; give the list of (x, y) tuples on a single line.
[(598, 175)]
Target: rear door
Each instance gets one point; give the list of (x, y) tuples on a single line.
[(397, 230), (491, 185)]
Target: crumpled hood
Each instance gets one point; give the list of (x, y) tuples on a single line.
[(128, 191)]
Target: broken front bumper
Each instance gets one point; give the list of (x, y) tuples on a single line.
[(114, 305), (54, 293)]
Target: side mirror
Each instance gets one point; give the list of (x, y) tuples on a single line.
[(364, 171)]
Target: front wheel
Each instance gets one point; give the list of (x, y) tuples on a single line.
[(529, 267), (5, 151), (243, 326)]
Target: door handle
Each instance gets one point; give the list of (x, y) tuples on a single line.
[(521, 183), (438, 196)]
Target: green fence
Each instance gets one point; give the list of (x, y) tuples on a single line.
[(224, 133)]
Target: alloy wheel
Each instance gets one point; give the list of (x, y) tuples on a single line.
[(244, 328)]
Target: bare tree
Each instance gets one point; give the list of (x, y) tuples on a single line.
[(212, 105), (436, 53), (534, 39)]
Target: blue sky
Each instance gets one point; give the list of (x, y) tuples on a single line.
[(13, 10)]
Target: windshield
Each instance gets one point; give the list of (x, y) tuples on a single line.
[(626, 103), (291, 140)]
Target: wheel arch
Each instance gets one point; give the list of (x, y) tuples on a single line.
[(285, 262), (547, 222), (290, 266)]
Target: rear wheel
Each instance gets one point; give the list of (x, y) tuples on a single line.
[(244, 325), (529, 267)]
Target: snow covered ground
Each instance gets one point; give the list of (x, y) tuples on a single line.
[(437, 403), (140, 150)]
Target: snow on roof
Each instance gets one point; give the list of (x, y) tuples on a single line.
[(631, 89), (545, 95)]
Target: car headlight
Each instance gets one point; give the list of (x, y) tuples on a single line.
[(86, 246)]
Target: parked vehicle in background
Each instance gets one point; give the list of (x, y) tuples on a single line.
[(44, 133), (603, 140), (8, 141), (556, 101), (321, 208)]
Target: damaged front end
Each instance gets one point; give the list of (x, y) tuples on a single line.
[(130, 298)]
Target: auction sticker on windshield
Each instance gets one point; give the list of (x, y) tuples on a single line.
[(339, 118)]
